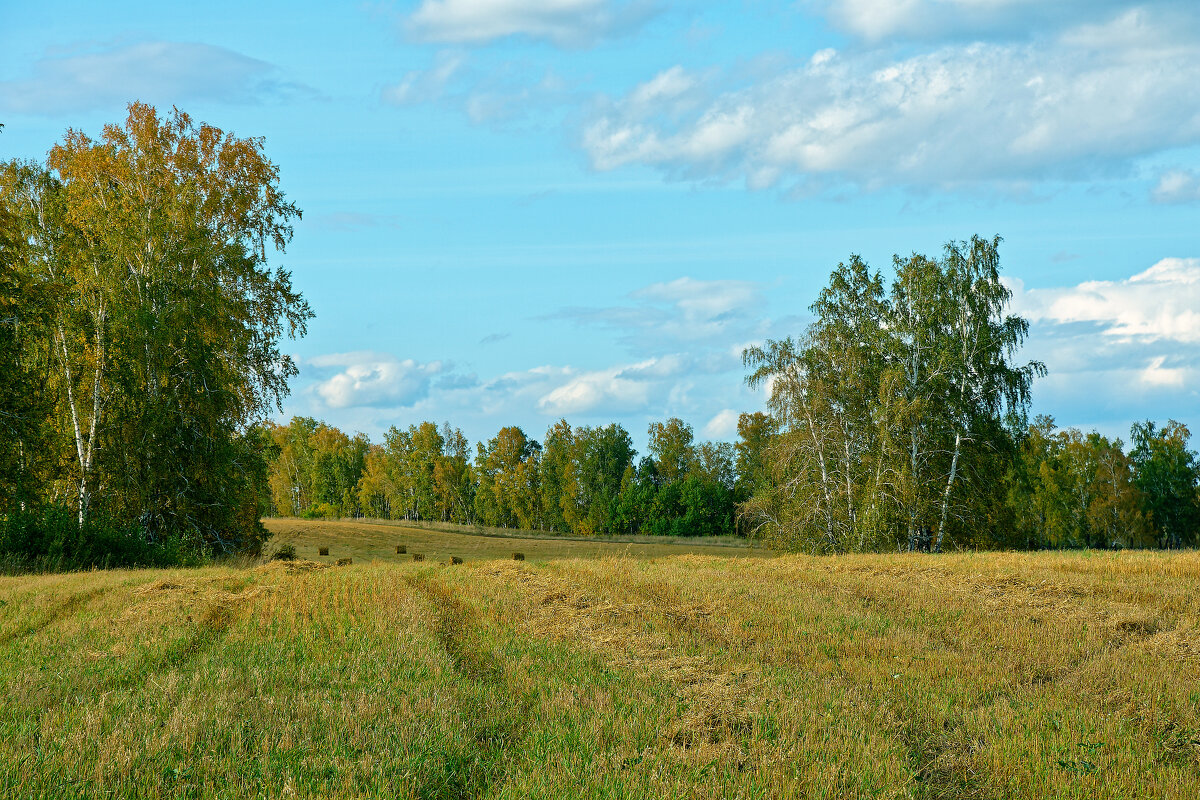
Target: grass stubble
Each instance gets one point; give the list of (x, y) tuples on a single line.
[(696, 675)]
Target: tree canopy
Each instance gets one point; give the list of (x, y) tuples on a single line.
[(155, 321)]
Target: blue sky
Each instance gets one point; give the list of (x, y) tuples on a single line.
[(516, 210)]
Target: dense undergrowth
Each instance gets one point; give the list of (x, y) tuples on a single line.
[(50, 539)]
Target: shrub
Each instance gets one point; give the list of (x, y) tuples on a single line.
[(285, 553), (321, 511), (50, 539)]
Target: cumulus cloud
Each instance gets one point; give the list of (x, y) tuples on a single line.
[(1160, 303), (1177, 186), (1156, 374), (1117, 349), (156, 72), (723, 425), (367, 378), (618, 389), (571, 23), (1089, 101)]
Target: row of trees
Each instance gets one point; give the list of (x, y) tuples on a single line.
[(140, 331), (1061, 488), (1072, 490), (579, 480), (902, 423)]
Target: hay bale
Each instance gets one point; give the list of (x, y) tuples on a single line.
[(455, 560), (344, 562), (518, 556), (418, 556), (322, 551), (401, 549)]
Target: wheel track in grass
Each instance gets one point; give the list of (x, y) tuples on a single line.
[(66, 608), (204, 629), (495, 719), (939, 754), (715, 700)]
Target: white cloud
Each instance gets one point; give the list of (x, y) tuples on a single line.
[(928, 19), (705, 303), (1161, 303), (1089, 101), (1177, 186), (155, 72), (1117, 350), (564, 22), (723, 425), (367, 378), (1155, 374), (485, 93), (424, 86), (667, 85), (619, 389)]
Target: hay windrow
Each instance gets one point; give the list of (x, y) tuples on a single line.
[(296, 567), (202, 594), (718, 700)]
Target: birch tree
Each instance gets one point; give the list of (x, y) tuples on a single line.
[(893, 405), (153, 242)]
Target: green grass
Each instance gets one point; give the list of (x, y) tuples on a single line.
[(618, 676)]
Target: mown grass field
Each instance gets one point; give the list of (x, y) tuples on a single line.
[(621, 675), (373, 541)]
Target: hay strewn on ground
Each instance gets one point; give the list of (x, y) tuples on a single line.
[(980, 675)]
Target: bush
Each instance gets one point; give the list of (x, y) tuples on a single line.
[(320, 511), (50, 539), (285, 553)]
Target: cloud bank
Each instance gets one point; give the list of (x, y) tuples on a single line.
[(1087, 103)]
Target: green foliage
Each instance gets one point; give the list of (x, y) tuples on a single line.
[(148, 340), (599, 458), (1168, 476), (506, 469), (1071, 490), (890, 409), (50, 538), (286, 552), (582, 481)]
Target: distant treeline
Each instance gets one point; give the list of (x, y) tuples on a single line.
[(1061, 488), (585, 480)]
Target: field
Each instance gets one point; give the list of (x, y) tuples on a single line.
[(366, 541), (629, 671)]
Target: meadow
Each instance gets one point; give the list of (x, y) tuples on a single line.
[(614, 670)]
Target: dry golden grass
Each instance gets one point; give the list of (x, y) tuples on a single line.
[(694, 675), (375, 541)]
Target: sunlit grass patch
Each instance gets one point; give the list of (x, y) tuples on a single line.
[(1042, 675)]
